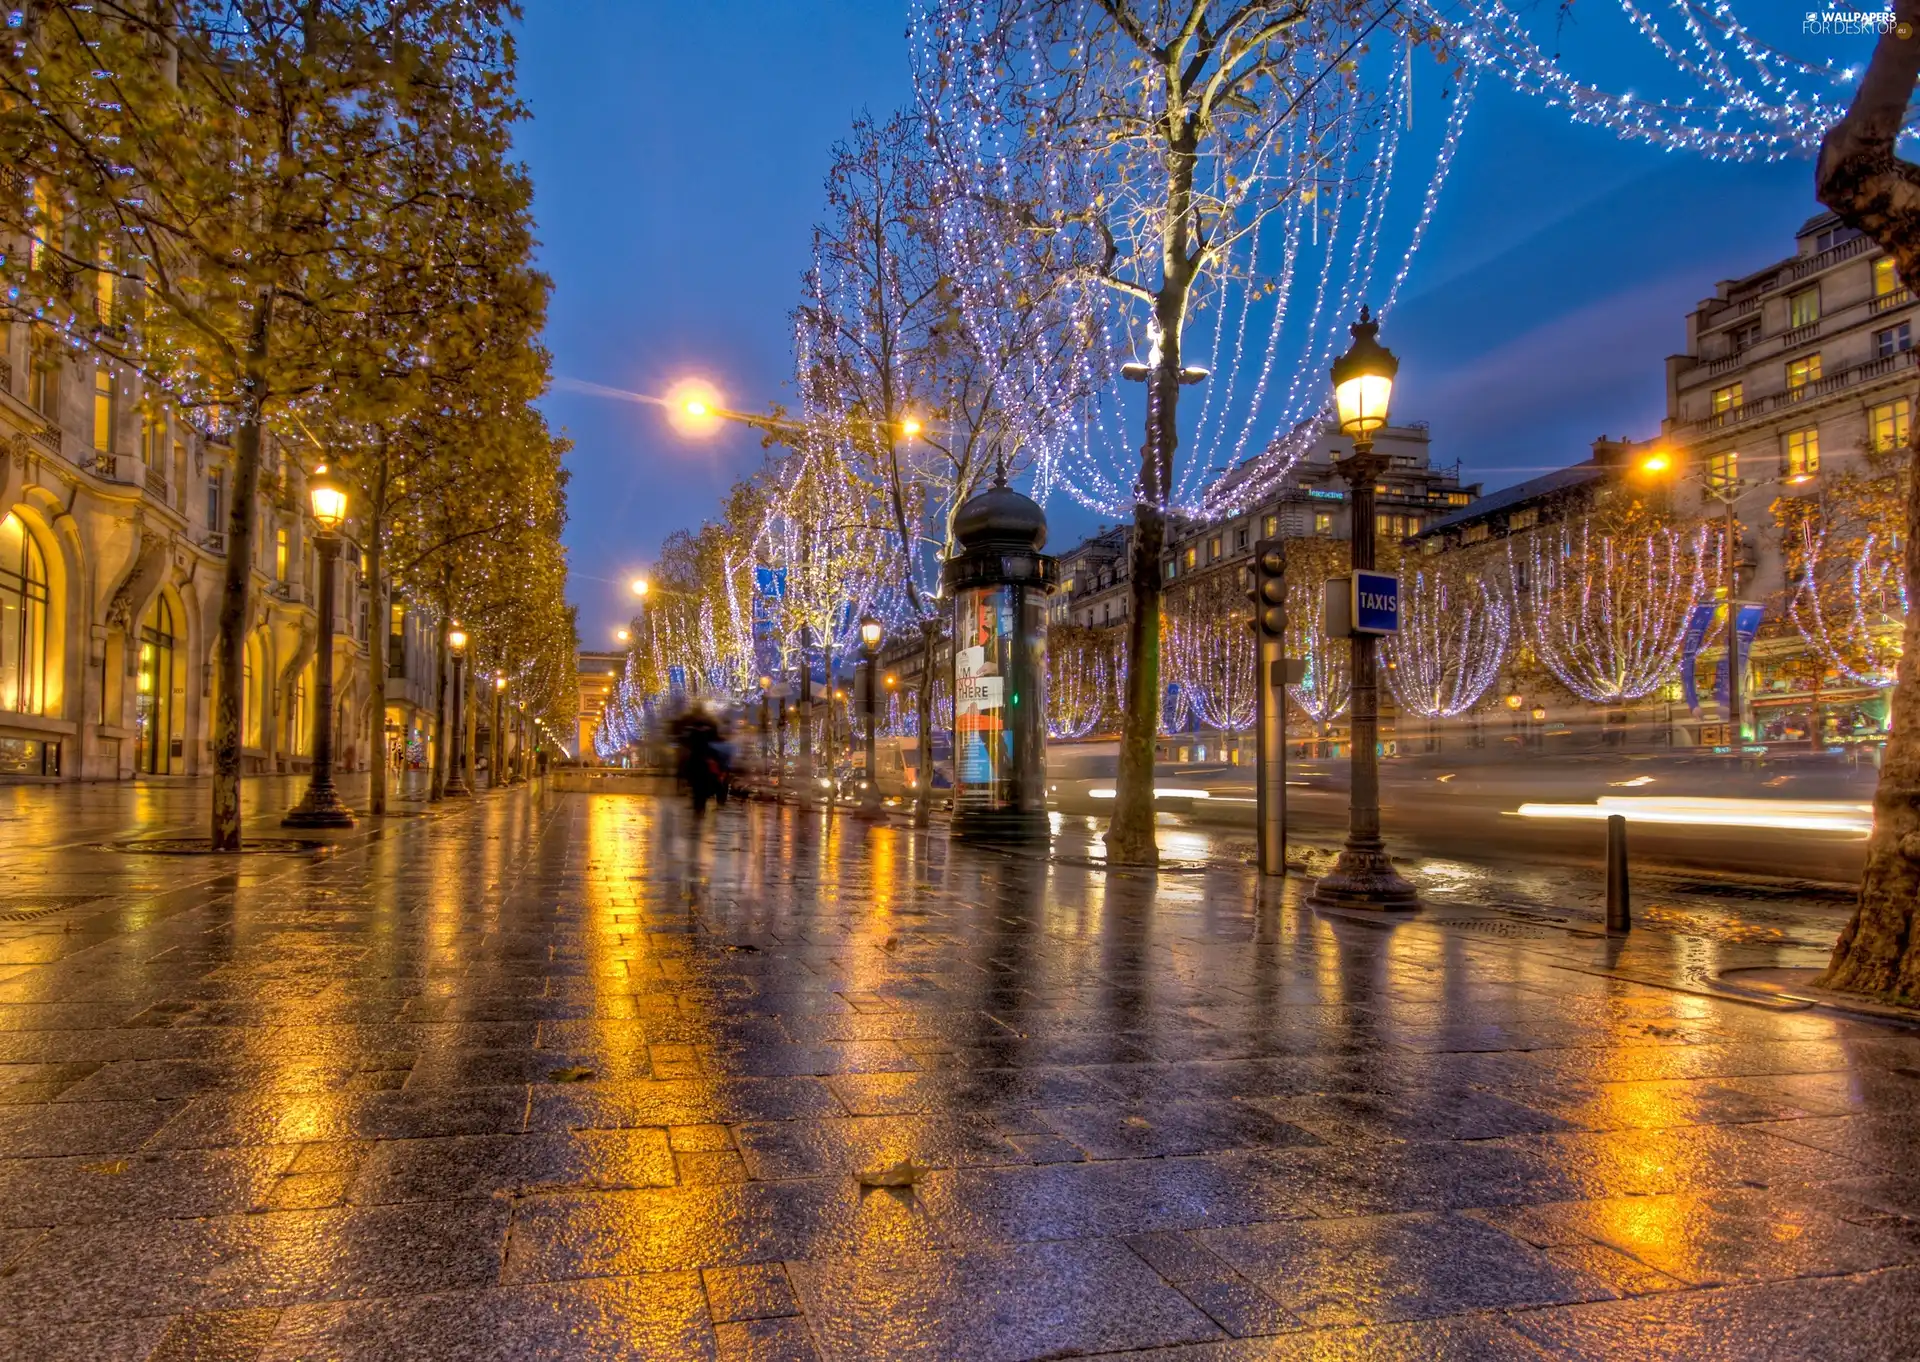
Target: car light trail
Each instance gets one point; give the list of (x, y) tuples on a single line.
[(1168, 792), (1805, 815)]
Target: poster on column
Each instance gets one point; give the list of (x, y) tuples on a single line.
[(979, 690)]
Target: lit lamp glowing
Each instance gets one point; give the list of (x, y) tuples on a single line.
[(1364, 876), (320, 806), (1656, 463), (910, 427), (496, 740), (1515, 701), (456, 770), (1363, 381), (693, 407), (640, 586), (621, 635)]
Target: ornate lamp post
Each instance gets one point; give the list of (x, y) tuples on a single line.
[(456, 778), (870, 633), (320, 807), (1364, 877)]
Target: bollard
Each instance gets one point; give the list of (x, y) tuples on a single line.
[(1619, 909)]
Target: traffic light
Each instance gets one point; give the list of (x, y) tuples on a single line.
[(1270, 588)]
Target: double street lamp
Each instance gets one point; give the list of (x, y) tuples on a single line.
[(1364, 876), (321, 806)]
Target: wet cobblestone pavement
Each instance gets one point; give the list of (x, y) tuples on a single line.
[(560, 1076)]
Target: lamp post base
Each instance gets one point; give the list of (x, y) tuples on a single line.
[(320, 807), (456, 789), (1001, 827), (1364, 877)]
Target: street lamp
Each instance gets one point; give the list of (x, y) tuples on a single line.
[(320, 807), (871, 631), (456, 779), (1364, 876), (622, 636), (640, 586)]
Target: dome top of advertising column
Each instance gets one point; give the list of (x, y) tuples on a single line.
[(1000, 518)]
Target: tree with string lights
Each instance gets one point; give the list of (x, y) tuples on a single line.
[(1211, 651), (1455, 634), (1603, 599), (1846, 593), (1079, 679), (1326, 683), (1146, 147), (208, 190)]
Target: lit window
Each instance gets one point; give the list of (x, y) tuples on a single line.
[(1728, 399), (1173, 568), (1523, 520), (1803, 451), (1723, 469), (1893, 340), (23, 619), (1474, 534), (1213, 548), (1188, 557), (153, 441), (1890, 425), (280, 555), (1270, 527), (1802, 371), (43, 376), (1322, 522), (1885, 278), (1458, 499), (47, 226), (1803, 308), (102, 410)]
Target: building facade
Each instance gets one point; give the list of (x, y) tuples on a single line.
[(113, 515)]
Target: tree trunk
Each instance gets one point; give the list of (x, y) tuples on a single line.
[(1861, 177), (923, 709), (379, 628), (235, 589), (437, 782)]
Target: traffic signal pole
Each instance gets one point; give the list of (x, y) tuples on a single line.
[(1269, 627)]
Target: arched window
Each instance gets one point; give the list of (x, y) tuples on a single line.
[(300, 718), (253, 707), (153, 700), (23, 619)]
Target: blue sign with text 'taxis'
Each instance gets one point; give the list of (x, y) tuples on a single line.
[(1376, 603)]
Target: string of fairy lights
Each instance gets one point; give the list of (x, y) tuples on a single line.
[(1316, 212)]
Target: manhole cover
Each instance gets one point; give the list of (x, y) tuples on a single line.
[(26, 910), (197, 846), (1500, 927)]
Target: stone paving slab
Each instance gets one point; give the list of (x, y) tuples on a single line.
[(554, 1076)]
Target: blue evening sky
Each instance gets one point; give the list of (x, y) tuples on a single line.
[(678, 154)]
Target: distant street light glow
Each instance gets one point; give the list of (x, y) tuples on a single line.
[(1801, 815), (693, 407)]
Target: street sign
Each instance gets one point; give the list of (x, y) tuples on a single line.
[(1376, 602)]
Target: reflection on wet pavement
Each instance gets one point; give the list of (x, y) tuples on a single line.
[(550, 1076)]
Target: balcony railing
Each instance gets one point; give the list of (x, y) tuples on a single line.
[(1806, 392), (6, 375), (214, 540), (1886, 302), (1833, 255), (157, 483), (1799, 335), (49, 435)]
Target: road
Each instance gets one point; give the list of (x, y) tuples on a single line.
[(1467, 806)]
